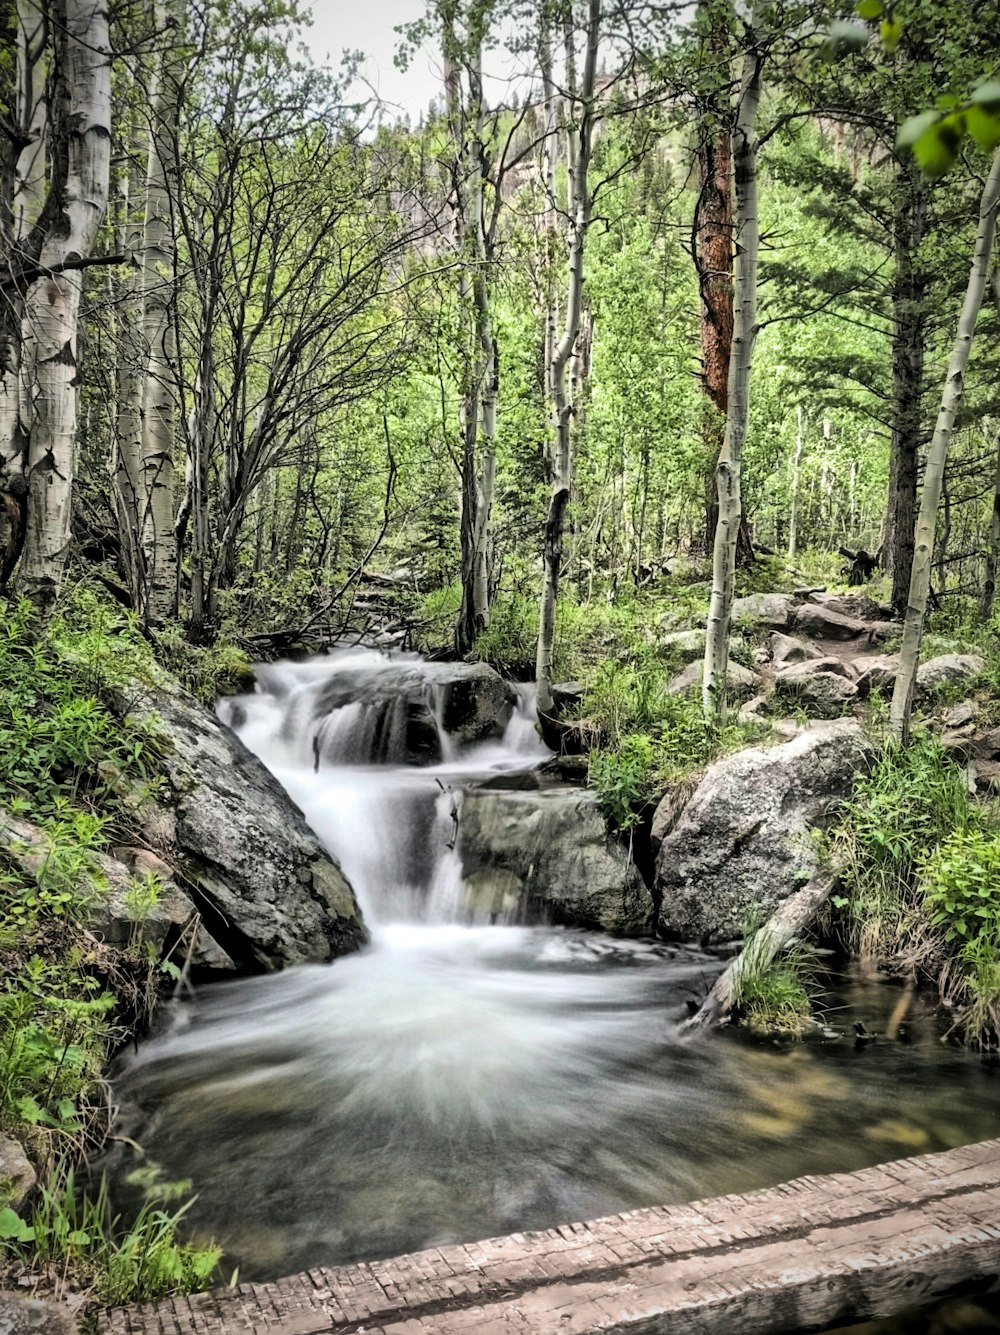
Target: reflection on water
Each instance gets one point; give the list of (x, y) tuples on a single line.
[(455, 1082)]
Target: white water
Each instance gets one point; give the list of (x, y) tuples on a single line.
[(460, 1079)]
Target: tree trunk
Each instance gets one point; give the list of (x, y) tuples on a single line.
[(993, 545), (740, 362), (159, 397), (579, 139), (908, 348), (788, 921), (81, 138), (127, 313), (937, 457), (793, 507)]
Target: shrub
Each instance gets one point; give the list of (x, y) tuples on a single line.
[(896, 816), (70, 1231)]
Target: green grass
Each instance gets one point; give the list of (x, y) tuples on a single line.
[(75, 774)]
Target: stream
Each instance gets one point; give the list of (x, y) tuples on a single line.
[(468, 1075)]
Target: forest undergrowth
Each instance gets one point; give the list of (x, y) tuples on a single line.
[(75, 774)]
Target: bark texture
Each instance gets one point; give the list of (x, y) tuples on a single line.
[(744, 333), (579, 143), (937, 457), (80, 135)]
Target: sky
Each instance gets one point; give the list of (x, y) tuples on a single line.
[(367, 25)]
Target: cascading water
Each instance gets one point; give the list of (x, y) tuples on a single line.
[(465, 1077)]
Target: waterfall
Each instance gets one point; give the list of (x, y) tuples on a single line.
[(473, 1073)]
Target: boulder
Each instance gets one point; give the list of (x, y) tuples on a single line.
[(266, 890), (131, 899), (823, 623), (31, 1316), (683, 645), (788, 649), (824, 694), (875, 672), (399, 709), (17, 1175), (473, 700), (740, 681), (743, 843), (857, 605), (669, 811), (567, 696), (948, 670), (547, 856), (824, 663), (764, 609), (961, 716)]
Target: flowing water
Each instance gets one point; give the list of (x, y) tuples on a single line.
[(462, 1078)]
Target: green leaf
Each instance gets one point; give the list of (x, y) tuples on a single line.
[(987, 96), (914, 128), (868, 9), (891, 33), (79, 1238), (936, 149), (984, 126), (12, 1225)]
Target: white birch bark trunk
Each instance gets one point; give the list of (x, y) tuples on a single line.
[(937, 457), (993, 543), (27, 199), (728, 469), (727, 473), (579, 142), (793, 508), (159, 395), (82, 159), (131, 362)]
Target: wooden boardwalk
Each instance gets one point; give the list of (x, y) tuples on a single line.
[(809, 1254)]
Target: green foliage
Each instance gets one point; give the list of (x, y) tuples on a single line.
[(773, 997), (52, 1048), (625, 778), (960, 881), (73, 772), (120, 1262), (508, 643), (221, 668), (643, 738), (935, 137), (60, 746)]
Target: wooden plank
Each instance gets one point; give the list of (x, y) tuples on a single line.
[(802, 1256)]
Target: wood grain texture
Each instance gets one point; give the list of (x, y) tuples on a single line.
[(811, 1253)]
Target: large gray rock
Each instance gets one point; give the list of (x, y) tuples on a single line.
[(743, 842), (857, 605), (765, 609), (31, 1316), (875, 672), (823, 623), (787, 649), (406, 704), (740, 681), (825, 663), (266, 890), (684, 645), (547, 855), (822, 693), (948, 670), (17, 1175)]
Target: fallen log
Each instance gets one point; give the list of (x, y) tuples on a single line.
[(788, 920)]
